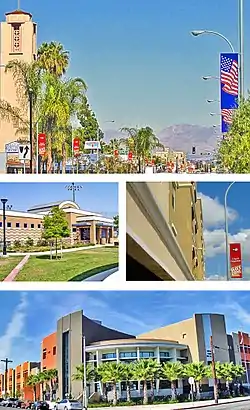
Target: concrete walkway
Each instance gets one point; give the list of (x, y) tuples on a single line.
[(13, 274), (183, 406), (102, 276), (84, 248)]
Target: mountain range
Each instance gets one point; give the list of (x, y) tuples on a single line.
[(181, 137)]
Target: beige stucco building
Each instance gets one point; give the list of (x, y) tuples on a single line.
[(164, 231), (85, 226), (18, 41)]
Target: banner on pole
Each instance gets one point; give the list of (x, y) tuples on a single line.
[(42, 144), (235, 260), (76, 146), (229, 87)]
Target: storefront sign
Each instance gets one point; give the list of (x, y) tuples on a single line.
[(235, 260), (12, 148)]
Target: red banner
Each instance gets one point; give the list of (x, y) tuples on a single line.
[(42, 144), (130, 155), (76, 146), (116, 153), (235, 261)]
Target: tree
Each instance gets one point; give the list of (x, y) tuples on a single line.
[(198, 371), (146, 370), (55, 225), (33, 380), (234, 150), (52, 58), (79, 374), (172, 371), (51, 375), (127, 376), (116, 222), (228, 372), (111, 372)]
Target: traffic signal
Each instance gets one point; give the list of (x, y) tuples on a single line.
[(193, 150)]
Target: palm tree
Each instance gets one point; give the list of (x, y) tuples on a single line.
[(198, 371), (172, 371), (146, 370), (52, 376), (111, 372), (79, 374), (52, 58), (228, 372), (127, 376), (33, 380)]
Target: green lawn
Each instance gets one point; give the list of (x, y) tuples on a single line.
[(74, 266), (7, 264)]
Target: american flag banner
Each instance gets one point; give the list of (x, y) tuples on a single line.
[(229, 75), (227, 115)]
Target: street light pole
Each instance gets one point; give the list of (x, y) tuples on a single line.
[(6, 361), (31, 126), (241, 46), (4, 201), (73, 188), (214, 371), (226, 231)]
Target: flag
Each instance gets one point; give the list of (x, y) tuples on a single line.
[(227, 115), (229, 75)]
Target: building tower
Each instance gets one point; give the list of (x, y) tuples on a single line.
[(18, 38)]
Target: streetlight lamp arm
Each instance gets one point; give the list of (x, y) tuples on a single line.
[(215, 33)]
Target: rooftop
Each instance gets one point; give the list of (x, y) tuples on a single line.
[(18, 12)]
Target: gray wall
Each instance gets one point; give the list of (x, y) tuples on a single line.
[(79, 325)]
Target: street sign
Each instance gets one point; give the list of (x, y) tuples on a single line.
[(12, 148), (42, 144), (92, 145), (235, 260), (191, 380), (24, 152)]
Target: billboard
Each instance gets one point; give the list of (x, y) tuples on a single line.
[(235, 260), (229, 88)]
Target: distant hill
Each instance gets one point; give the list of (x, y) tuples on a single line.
[(181, 137)]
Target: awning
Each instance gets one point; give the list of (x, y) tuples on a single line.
[(82, 224), (104, 224)]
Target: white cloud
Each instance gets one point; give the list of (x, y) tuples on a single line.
[(241, 314), (14, 329), (215, 242), (213, 212)]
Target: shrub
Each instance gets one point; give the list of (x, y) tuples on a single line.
[(29, 242), (17, 244)]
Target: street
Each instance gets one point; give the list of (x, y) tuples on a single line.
[(245, 405)]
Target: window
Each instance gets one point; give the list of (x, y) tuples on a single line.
[(8, 224), (39, 226), (193, 253), (44, 354), (25, 225), (54, 350), (173, 197), (164, 354), (16, 38), (32, 226), (1, 224), (74, 229), (17, 225), (127, 355), (192, 213), (109, 356), (147, 355)]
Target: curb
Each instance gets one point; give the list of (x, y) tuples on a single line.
[(13, 274), (211, 405)]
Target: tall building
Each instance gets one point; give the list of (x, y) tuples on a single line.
[(48, 357), (164, 231), (18, 37)]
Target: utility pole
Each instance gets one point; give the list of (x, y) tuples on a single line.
[(6, 361), (214, 371)]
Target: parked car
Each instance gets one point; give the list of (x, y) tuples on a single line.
[(9, 402), (18, 404), (27, 404), (40, 405), (68, 404), (52, 404)]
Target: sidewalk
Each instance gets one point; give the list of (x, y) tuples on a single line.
[(183, 406)]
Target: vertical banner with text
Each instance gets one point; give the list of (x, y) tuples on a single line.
[(229, 87), (235, 261), (42, 144), (76, 146)]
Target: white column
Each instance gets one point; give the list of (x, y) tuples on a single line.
[(174, 355), (119, 384), (157, 384), (138, 358)]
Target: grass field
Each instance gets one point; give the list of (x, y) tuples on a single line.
[(7, 264), (74, 266)]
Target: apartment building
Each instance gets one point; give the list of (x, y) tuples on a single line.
[(16, 380), (164, 231)]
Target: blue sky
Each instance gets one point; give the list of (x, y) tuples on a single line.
[(140, 62), (212, 194), (21, 332), (98, 197)]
